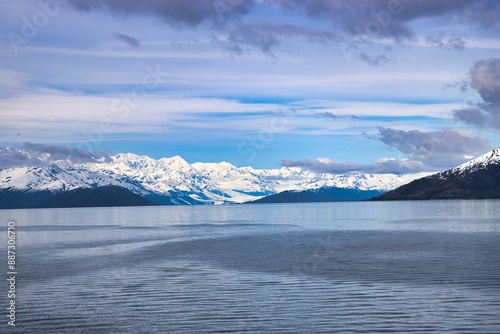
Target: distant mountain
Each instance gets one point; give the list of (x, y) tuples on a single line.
[(476, 179), (174, 181), (94, 197), (326, 194)]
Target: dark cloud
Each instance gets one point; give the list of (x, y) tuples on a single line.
[(461, 85), (383, 166), (485, 14), (36, 154), (361, 23), (440, 41), (267, 36), (455, 43), (333, 116), (373, 60), (322, 165), (328, 115), (365, 51), (485, 80), (180, 13), (354, 17), (131, 41), (392, 18), (439, 148)]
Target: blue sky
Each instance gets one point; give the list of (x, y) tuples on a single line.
[(327, 85)]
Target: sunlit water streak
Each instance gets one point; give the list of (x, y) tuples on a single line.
[(409, 267)]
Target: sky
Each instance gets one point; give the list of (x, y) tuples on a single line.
[(331, 86)]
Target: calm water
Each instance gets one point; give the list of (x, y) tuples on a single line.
[(412, 267)]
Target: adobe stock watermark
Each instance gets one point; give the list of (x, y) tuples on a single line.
[(121, 107), (31, 26), (11, 273), (439, 304), (379, 20), (256, 143), (322, 253)]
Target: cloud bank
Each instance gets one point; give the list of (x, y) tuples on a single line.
[(354, 21), (382, 166), (426, 151), (36, 154), (435, 149), (178, 13)]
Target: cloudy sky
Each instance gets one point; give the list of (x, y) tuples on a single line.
[(327, 85)]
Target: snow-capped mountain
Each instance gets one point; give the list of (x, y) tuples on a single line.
[(484, 161), (476, 179), (175, 180)]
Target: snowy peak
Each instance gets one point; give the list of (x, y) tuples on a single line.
[(175, 163), (485, 160), (132, 160), (219, 166)]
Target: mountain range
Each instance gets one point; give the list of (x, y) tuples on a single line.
[(129, 179), (172, 180)]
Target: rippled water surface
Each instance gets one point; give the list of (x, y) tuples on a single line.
[(409, 267)]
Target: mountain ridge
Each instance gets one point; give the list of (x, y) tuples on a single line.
[(325, 194), (173, 180), (478, 178), (105, 196)]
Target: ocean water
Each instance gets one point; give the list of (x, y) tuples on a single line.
[(357, 267)]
